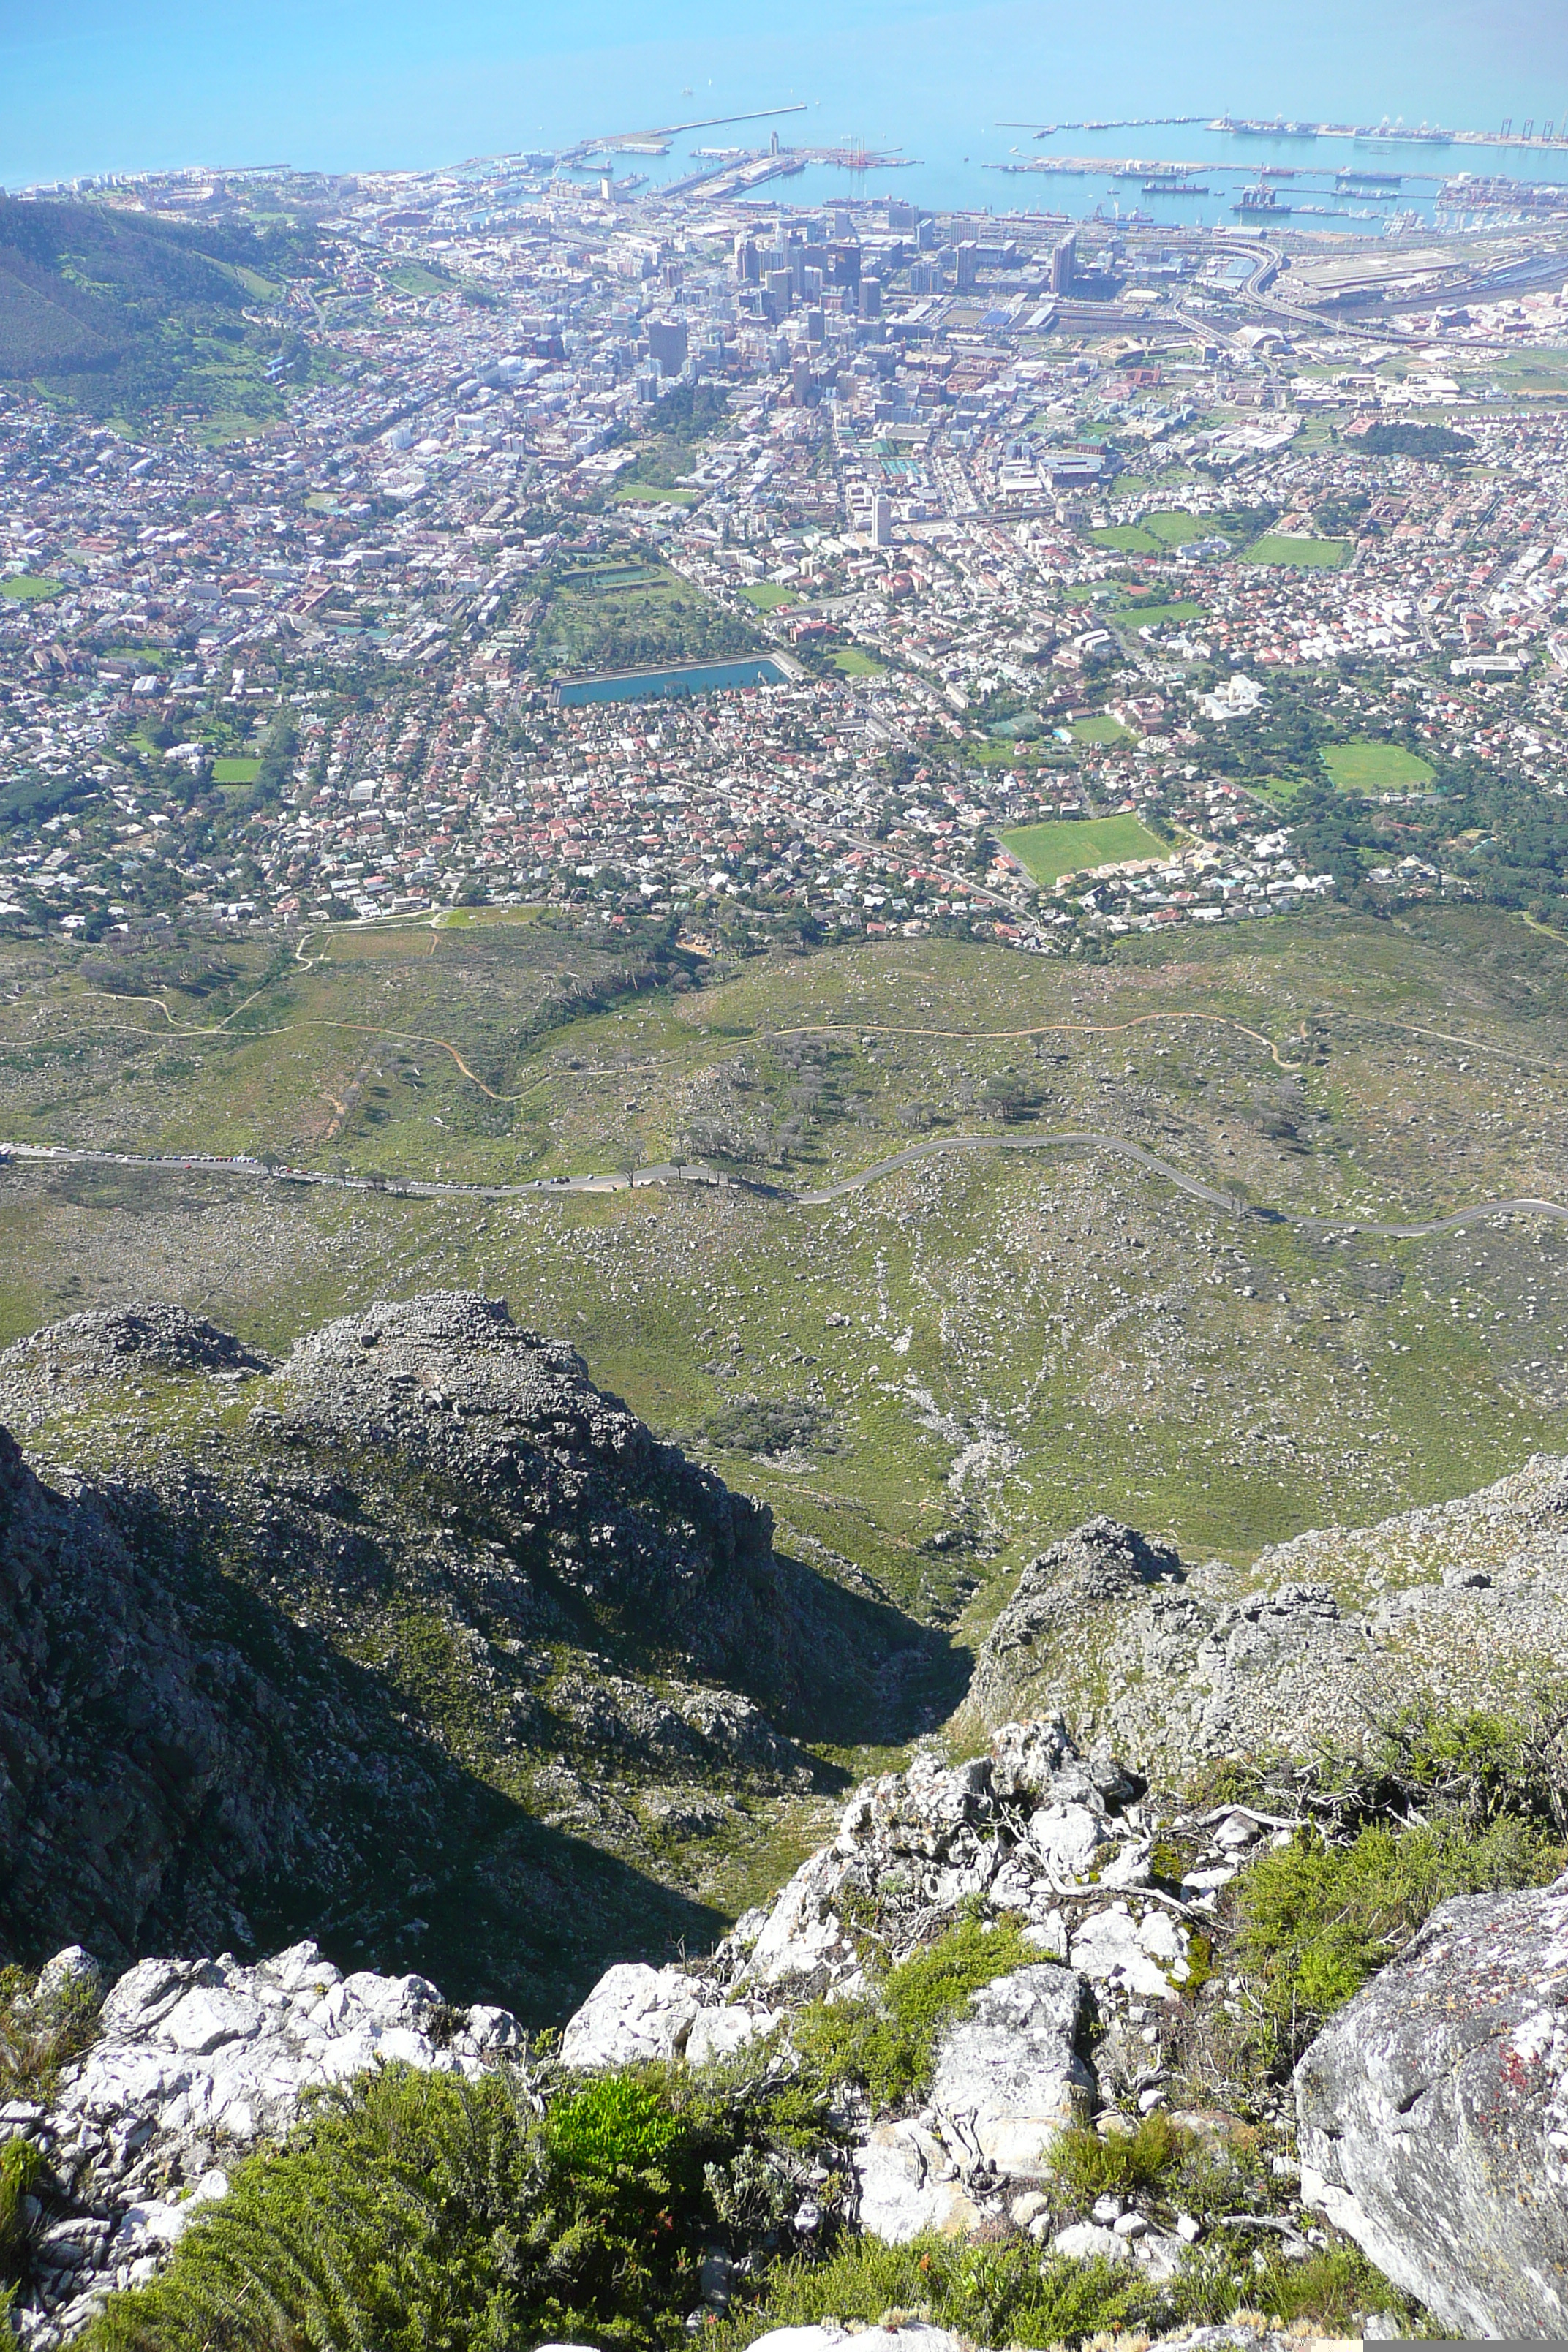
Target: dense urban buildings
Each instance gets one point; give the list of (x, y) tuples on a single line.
[(1248, 545)]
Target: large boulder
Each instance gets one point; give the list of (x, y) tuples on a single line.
[(1433, 2115), (1009, 2077)]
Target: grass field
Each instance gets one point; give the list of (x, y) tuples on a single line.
[(851, 662), (1302, 554), (1068, 847), (1366, 767), (1155, 615), (1101, 729), (28, 587), (649, 493), (236, 771), (767, 595), (1155, 535)]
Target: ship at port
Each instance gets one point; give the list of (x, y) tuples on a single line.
[(1175, 187), (1260, 199)]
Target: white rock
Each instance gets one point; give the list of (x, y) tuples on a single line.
[(1159, 2256), (1007, 2070), (1145, 1956), (633, 2013), (1083, 2239), (909, 2184), (493, 2029), (204, 2021), (1067, 1835), (804, 1937), (720, 2033), (71, 1975), (1049, 1935), (910, 2335), (1129, 1867)]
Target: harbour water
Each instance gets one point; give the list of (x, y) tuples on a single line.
[(90, 85)]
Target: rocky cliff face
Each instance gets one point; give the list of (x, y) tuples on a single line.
[(1182, 1665), (1434, 2116), (417, 1642)]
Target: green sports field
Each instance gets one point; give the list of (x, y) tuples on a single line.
[(1071, 844)]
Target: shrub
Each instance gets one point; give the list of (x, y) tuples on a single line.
[(1005, 2293), (21, 2165), (885, 2041), (617, 2123), (1315, 1920), (410, 2211), (1145, 2158), (35, 2044)]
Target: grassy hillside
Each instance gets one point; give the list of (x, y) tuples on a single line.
[(122, 313), (934, 1376)]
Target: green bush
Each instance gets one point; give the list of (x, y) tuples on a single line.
[(1124, 2163), (411, 2211), (34, 2043), (885, 2040), (616, 2125), (1315, 1920), (1007, 2294), (21, 2164)]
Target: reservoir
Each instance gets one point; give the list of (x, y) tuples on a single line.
[(685, 678)]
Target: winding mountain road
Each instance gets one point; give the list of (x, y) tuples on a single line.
[(669, 1172)]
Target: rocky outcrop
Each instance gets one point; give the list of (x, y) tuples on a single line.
[(1433, 2116), (196, 2062), (1036, 1833), (418, 1643), (1181, 1666)]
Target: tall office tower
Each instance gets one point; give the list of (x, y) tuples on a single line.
[(667, 345), (968, 266), (748, 262), (881, 522), (1063, 258)]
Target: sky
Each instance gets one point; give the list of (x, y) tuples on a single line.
[(89, 86)]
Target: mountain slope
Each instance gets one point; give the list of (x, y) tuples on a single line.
[(419, 1644)]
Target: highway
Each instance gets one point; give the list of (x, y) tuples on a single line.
[(667, 1171)]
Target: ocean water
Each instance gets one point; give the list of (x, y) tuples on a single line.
[(90, 85)]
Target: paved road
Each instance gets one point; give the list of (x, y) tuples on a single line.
[(666, 1171)]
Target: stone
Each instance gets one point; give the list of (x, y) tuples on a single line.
[(1009, 2069), (1083, 2240), (197, 2055), (1144, 1956), (909, 2184), (1158, 2256), (1433, 2116), (633, 2013), (1067, 1835), (718, 2033), (906, 2336), (72, 1977)]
